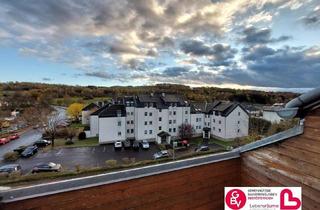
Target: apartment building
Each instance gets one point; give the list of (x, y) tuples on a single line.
[(157, 117)]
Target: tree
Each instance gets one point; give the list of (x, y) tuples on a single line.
[(186, 131), (74, 110), (52, 127)]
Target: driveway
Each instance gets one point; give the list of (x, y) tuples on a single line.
[(86, 157)]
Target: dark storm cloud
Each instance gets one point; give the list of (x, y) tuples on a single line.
[(253, 35), (219, 54), (284, 67)]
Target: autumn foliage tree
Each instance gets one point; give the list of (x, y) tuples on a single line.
[(186, 131), (74, 110)]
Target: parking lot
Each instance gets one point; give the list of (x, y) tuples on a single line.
[(86, 157)]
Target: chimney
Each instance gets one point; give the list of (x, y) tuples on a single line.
[(163, 94)]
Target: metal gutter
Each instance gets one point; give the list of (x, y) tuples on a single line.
[(298, 130), (305, 100), (46, 189)]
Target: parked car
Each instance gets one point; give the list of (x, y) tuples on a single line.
[(202, 148), (42, 143), (11, 168), (145, 144), (4, 140), (20, 149), (127, 144), (14, 136), (161, 154), (46, 167), (29, 151), (118, 145), (135, 146)]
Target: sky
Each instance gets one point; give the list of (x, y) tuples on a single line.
[(246, 44)]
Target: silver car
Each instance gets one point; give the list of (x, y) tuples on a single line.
[(145, 144), (161, 154)]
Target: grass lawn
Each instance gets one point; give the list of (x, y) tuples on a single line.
[(224, 144), (77, 125), (89, 142)]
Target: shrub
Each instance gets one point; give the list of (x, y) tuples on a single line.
[(128, 161), (78, 168), (162, 146), (82, 136), (11, 156), (69, 142), (111, 163)]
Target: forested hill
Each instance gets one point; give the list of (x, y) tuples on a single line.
[(49, 93)]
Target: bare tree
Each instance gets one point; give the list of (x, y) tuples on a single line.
[(186, 131), (51, 129)]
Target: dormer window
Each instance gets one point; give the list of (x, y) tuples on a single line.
[(119, 113)]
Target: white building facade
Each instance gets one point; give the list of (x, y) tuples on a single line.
[(157, 117)]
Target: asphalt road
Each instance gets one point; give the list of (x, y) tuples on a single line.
[(86, 157), (27, 138)]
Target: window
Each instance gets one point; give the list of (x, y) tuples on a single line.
[(174, 129), (238, 122), (128, 113), (119, 123), (170, 113), (186, 120), (146, 114), (150, 131), (160, 110), (219, 121), (214, 120), (131, 130), (197, 119), (219, 130), (174, 113), (186, 112), (150, 114), (170, 121), (119, 133), (214, 128), (145, 132), (238, 130), (160, 119), (145, 123), (131, 113), (239, 113), (174, 121), (208, 124), (128, 122), (150, 122), (170, 130), (128, 130), (160, 128), (131, 121), (199, 127)]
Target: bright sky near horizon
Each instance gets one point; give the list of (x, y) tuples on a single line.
[(254, 44)]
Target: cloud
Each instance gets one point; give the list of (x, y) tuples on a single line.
[(253, 35), (218, 54), (313, 18), (46, 79), (175, 71), (99, 74)]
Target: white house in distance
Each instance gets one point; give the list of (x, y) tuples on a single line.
[(270, 113), (157, 117), (87, 111)]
